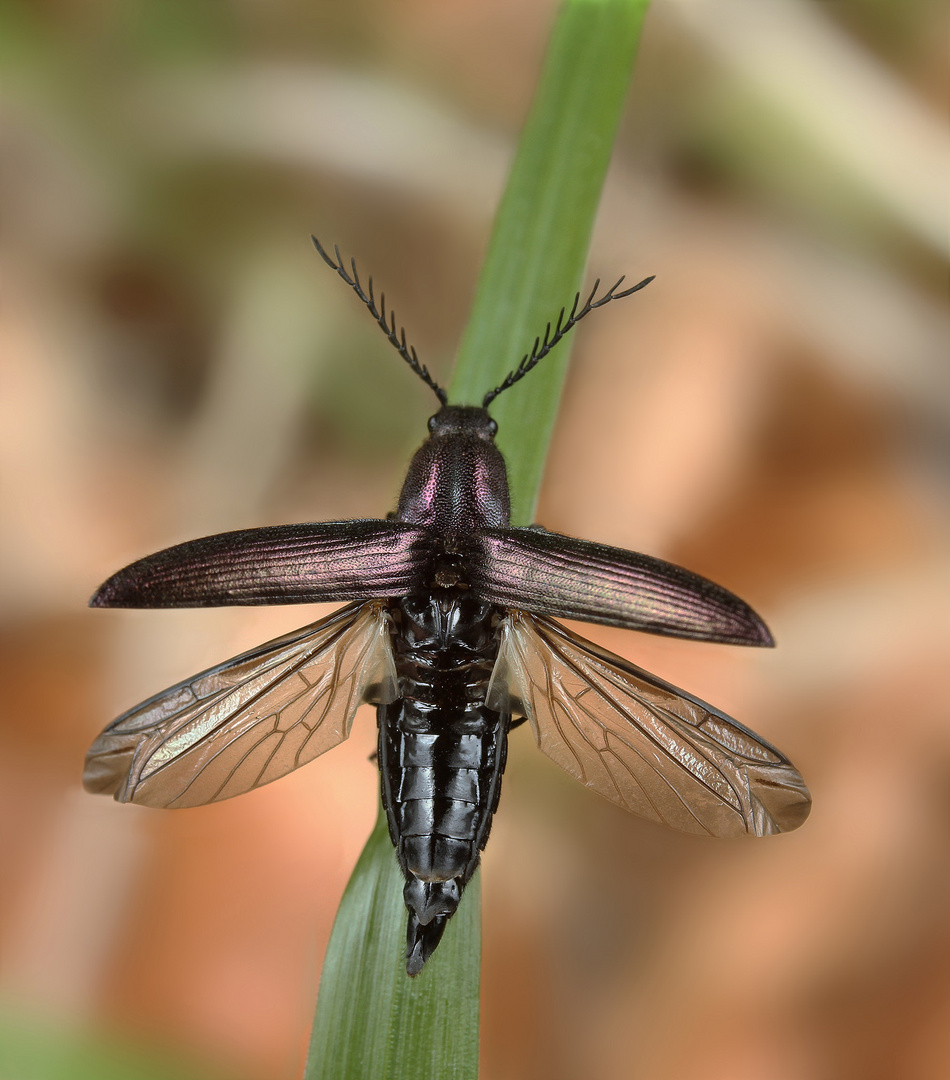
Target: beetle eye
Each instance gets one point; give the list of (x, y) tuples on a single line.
[(492, 428), (432, 421)]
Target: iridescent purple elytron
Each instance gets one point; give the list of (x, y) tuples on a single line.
[(448, 631)]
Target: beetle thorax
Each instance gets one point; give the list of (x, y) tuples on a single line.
[(457, 481)]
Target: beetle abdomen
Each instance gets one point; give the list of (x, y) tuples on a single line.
[(441, 755)]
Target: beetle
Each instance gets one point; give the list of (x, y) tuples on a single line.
[(449, 630)]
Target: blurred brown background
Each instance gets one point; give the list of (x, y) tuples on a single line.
[(772, 412)]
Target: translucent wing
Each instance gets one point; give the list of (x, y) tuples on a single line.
[(249, 720), (642, 743)]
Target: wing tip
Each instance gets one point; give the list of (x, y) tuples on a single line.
[(105, 596), (123, 590), (759, 634), (146, 584), (746, 625), (786, 803), (106, 770)]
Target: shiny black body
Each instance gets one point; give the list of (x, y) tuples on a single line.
[(441, 755), (441, 749)]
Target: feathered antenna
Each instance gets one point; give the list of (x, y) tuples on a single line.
[(398, 341), (543, 346)]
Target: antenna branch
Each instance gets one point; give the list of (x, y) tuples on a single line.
[(388, 327), (542, 346)]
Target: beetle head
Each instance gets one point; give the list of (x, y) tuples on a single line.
[(462, 420)]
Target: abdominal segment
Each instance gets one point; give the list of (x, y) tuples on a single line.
[(441, 755)]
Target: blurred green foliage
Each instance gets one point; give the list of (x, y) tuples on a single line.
[(35, 1049)]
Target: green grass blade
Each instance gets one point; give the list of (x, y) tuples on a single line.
[(535, 261), (373, 1022)]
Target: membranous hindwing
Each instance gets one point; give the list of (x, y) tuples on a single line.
[(640, 742), (250, 720)]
